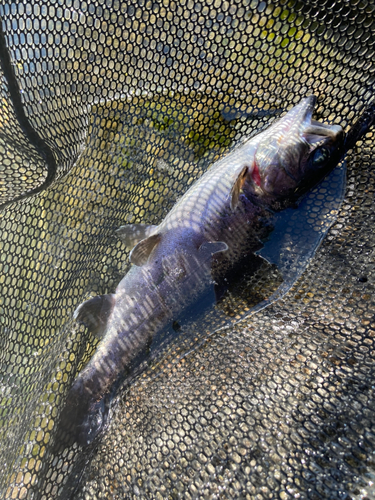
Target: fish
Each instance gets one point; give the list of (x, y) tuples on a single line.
[(221, 219)]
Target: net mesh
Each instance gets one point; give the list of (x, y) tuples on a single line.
[(109, 112)]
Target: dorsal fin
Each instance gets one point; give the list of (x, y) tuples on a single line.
[(132, 234), (236, 189), (141, 252)]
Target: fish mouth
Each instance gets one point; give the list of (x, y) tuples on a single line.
[(314, 131), (302, 117), (317, 132), (319, 128)]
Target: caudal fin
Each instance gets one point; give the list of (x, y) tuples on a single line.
[(81, 420)]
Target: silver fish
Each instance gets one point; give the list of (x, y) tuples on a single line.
[(218, 221)]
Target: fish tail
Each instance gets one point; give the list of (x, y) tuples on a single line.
[(82, 418)]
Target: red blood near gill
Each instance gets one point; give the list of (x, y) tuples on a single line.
[(255, 175)]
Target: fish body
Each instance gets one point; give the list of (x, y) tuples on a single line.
[(220, 219)]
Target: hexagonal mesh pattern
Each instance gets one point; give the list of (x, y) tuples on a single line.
[(110, 111)]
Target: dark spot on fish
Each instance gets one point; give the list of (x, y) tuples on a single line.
[(362, 279)]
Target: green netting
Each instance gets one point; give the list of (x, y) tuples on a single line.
[(109, 112)]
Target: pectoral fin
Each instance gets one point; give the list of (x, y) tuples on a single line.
[(141, 252), (132, 234), (94, 313), (236, 189)]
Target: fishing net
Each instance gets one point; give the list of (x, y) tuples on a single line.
[(109, 111)]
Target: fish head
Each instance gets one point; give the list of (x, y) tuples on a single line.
[(294, 154)]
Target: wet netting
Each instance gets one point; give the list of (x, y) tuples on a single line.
[(109, 111)]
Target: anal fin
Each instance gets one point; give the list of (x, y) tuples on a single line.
[(94, 313)]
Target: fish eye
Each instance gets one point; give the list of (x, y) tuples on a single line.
[(320, 156)]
